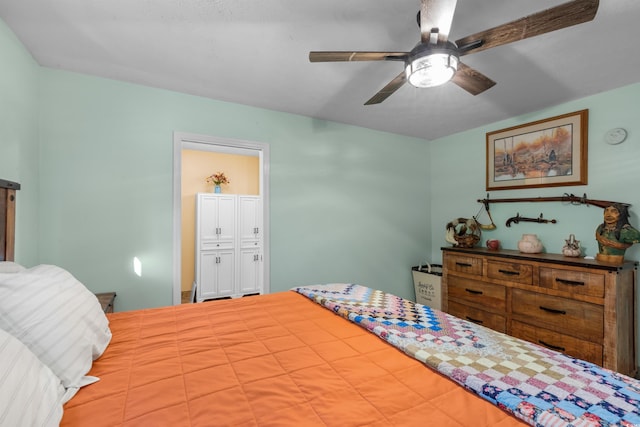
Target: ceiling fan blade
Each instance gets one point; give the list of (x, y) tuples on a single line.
[(436, 14), (471, 80), (388, 90), (562, 16), (334, 56)]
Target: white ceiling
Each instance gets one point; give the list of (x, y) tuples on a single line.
[(256, 53)]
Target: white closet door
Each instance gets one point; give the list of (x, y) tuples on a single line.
[(227, 217), (250, 267), (207, 268), (250, 227), (226, 276), (207, 209)]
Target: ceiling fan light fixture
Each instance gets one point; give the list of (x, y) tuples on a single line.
[(432, 69)]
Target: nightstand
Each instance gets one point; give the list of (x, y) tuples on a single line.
[(106, 300)]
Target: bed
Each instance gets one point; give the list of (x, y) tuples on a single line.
[(277, 359), (319, 355)]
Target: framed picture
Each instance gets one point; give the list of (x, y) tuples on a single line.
[(547, 153)]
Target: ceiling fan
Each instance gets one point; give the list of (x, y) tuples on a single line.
[(435, 60)]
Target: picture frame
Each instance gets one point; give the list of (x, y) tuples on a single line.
[(546, 153)]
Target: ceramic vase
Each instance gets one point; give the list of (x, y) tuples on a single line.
[(493, 244), (217, 189), (530, 244), (571, 247)]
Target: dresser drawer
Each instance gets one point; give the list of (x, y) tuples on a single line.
[(576, 282), (556, 341), (481, 317), (479, 293), (575, 318), (511, 271), (463, 264)]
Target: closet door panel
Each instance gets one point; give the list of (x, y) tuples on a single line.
[(250, 267), (207, 283), (227, 217), (207, 218), (226, 276), (250, 226)]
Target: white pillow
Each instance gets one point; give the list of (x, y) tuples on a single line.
[(58, 318), (10, 267), (31, 394)]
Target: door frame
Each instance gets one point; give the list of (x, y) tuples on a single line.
[(190, 141)]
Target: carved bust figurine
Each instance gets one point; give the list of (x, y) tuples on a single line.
[(615, 234)]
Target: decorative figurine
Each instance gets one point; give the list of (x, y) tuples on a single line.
[(615, 234), (571, 247)]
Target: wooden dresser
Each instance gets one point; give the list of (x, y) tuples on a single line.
[(580, 307)]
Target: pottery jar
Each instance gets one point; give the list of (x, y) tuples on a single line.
[(493, 244), (530, 244), (572, 247)]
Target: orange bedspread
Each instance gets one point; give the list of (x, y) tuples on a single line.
[(276, 359)]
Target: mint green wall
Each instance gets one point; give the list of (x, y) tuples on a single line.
[(94, 157), (614, 174), (347, 204), (19, 138)]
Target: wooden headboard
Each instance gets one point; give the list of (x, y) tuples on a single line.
[(7, 219)]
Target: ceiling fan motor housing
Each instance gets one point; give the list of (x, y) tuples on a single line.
[(430, 65)]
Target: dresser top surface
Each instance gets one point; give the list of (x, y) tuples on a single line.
[(544, 257)]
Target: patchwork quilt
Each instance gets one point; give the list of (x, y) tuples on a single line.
[(537, 385)]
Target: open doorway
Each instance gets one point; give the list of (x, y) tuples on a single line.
[(188, 143)]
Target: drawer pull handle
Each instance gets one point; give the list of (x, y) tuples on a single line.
[(471, 291), (552, 347), (509, 272), (471, 319), (569, 282), (463, 264), (552, 310)]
